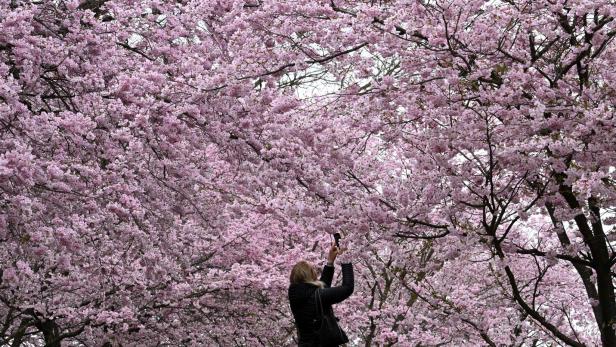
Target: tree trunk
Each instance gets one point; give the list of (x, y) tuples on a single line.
[(50, 332)]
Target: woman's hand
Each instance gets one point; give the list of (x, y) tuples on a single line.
[(333, 253)]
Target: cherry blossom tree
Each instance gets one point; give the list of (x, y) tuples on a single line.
[(163, 165), (129, 210), (491, 122)]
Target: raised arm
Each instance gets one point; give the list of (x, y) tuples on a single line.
[(334, 295), (328, 270), (327, 275)]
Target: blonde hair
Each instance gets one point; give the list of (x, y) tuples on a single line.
[(303, 272)]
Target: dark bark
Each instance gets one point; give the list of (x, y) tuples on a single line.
[(595, 239), (51, 332), (584, 271)]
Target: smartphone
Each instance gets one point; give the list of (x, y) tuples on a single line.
[(337, 238)]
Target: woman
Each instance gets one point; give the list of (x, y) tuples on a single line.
[(304, 285)]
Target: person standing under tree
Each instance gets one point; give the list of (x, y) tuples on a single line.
[(304, 290)]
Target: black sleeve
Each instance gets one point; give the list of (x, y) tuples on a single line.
[(330, 296), (327, 275)]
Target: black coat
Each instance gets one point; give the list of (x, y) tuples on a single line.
[(304, 307)]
